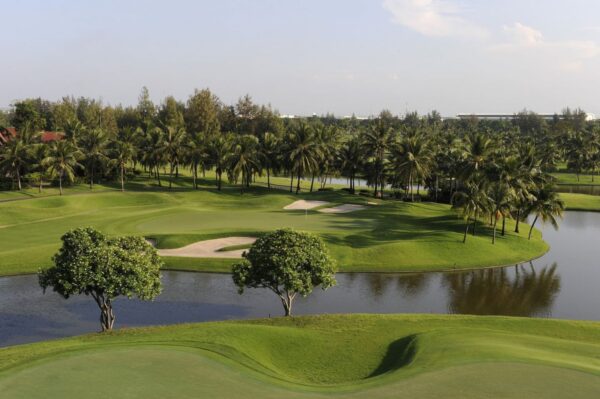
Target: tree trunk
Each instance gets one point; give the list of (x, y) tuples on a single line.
[(298, 182), (312, 182), (287, 301), (60, 177), (466, 231), (474, 222), (494, 236), (268, 178), (195, 176), (291, 181), (158, 176), (92, 177), (41, 184), (18, 179), (503, 225), (122, 178), (107, 316), (170, 175), (532, 224), (518, 219), (410, 183), (219, 177)]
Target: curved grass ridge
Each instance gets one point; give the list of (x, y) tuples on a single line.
[(327, 354)]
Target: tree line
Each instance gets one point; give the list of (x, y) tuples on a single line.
[(498, 169)]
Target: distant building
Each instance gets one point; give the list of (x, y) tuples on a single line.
[(509, 117), (45, 136)]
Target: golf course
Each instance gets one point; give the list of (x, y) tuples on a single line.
[(376, 356), (378, 235)]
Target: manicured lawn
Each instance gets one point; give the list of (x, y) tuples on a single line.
[(571, 178), (373, 356), (581, 202), (392, 236)]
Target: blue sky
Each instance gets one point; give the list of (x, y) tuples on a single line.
[(352, 56)]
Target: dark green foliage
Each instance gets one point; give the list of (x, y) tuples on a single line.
[(288, 263), (92, 264)]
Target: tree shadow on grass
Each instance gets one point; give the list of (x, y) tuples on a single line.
[(400, 353), (391, 224)]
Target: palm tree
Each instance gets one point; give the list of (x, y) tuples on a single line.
[(268, 152), (62, 161), (73, 129), (196, 154), (13, 159), (153, 150), (304, 152), (547, 205), (477, 152), (351, 160), (376, 143), (174, 138), (244, 159), (123, 153), (501, 196), (94, 145), (412, 161), (472, 201), (39, 153), (219, 149)]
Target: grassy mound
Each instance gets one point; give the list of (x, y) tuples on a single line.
[(358, 356), (392, 236)]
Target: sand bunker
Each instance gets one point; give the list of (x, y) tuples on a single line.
[(343, 208), (303, 204), (210, 248)]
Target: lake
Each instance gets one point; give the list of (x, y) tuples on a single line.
[(562, 284)]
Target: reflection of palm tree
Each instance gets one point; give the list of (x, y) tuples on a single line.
[(494, 292), (412, 284), (378, 283)]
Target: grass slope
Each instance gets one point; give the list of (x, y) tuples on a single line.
[(392, 236), (581, 202), (371, 356)]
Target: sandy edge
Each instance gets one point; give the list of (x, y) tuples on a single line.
[(209, 248)]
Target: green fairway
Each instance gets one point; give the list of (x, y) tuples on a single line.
[(392, 236), (581, 202), (571, 178), (371, 356)]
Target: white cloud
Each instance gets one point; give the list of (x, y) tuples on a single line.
[(524, 35), (439, 18), (527, 42)]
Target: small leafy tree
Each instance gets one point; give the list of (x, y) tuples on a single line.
[(92, 264), (288, 263)]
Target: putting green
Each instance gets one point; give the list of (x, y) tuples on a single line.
[(371, 356), (392, 236)]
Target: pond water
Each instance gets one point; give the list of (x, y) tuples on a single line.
[(563, 284)]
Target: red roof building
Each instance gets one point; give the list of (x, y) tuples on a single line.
[(45, 136), (48, 137)]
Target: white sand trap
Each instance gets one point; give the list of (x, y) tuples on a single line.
[(303, 204), (343, 208), (210, 248)]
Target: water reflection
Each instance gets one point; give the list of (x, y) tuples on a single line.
[(525, 292), (561, 284)]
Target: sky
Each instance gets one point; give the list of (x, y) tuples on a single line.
[(309, 56)]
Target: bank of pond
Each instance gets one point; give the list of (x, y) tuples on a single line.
[(561, 284)]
